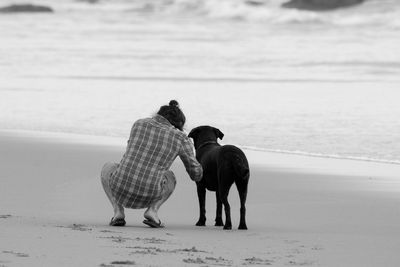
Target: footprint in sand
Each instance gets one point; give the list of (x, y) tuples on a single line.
[(117, 263), (317, 247), (76, 227), (195, 261), (257, 261), (300, 263), (121, 239), (17, 254), (191, 250), (146, 250), (117, 239), (109, 231), (152, 240), (209, 261), (79, 227), (155, 250)]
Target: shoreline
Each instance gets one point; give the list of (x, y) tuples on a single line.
[(117, 141), (301, 211)]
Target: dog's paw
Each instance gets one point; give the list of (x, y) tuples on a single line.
[(242, 227), (227, 227), (219, 222), (201, 223)]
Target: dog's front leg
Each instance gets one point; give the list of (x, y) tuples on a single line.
[(218, 216), (201, 193)]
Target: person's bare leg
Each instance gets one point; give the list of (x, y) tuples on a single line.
[(168, 186), (106, 172)]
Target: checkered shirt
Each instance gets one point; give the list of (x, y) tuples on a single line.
[(152, 147)]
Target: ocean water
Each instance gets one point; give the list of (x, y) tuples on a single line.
[(322, 84)]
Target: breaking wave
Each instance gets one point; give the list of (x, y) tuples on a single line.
[(370, 13)]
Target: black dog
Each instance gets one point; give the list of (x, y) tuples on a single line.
[(222, 166)]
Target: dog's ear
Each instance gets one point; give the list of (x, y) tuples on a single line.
[(218, 133), (193, 133)]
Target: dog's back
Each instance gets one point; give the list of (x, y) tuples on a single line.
[(232, 160)]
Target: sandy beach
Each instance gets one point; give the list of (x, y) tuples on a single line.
[(311, 97), (302, 211)]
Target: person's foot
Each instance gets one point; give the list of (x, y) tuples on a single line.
[(154, 224), (151, 215), (152, 219), (117, 222)]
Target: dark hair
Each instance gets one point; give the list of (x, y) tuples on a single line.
[(173, 114)]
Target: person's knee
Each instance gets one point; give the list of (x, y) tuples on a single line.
[(171, 179), (106, 172)]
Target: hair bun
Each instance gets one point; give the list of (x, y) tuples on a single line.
[(174, 103)]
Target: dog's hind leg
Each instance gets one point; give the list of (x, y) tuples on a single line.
[(242, 189), (218, 216), (201, 193), (224, 192)]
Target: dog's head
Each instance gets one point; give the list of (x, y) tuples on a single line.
[(204, 134)]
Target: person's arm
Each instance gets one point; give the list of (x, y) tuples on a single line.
[(192, 166)]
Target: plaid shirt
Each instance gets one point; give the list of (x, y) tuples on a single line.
[(152, 147)]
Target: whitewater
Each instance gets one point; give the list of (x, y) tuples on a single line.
[(321, 84)]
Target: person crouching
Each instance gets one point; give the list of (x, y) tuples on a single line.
[(142, 178)]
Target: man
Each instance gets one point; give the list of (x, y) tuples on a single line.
[(142, 179)]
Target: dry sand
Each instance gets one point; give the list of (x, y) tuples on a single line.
[(302, 211)]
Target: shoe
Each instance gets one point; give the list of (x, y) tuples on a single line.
[(117, 222), (153, 224)]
